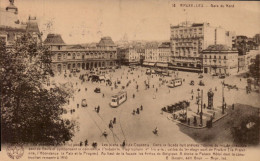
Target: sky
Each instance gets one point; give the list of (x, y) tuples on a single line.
[(84, 21)]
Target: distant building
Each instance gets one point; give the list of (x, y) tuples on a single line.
[(75, 57), (151, 55), (220, 59), (257, 39), (188, 40), (164, 52), (11, 28)]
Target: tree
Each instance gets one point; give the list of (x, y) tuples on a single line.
[(31, 113)]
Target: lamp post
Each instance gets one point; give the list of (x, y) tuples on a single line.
[(223, 98), (198, 100), (201, 103)]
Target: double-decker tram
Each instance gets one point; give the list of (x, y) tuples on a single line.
[(175, 82), (118, 99)]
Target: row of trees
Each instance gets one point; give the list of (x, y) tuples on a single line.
[(30, 112)]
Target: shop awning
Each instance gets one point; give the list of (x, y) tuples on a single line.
[(151, 64), (162, 64)]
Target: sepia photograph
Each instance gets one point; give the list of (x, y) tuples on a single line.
[(129, 80)]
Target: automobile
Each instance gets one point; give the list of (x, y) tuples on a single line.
[(192, 82), (201, 83), (222, 76), (97, 90), (215, 74), (84, 103), (200, 76)]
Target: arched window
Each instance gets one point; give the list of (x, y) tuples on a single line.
[(59, 56), (73, 56)]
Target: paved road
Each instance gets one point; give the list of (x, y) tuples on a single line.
[(139, 127)]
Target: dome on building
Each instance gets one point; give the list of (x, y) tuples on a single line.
[(106, 42), (218, 48), (54, 39)]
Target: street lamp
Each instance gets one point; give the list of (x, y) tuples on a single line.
[(201, 113), (223, 98), (198, 100)]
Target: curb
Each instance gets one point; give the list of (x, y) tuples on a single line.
[(178, 122)]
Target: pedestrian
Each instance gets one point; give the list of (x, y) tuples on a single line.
[(103, 95), (98, 109), (133, 95), (77, 105), (192, 97), (133, 112), (114, 120), (155, 130), (141, 108), (137, 111), (81, 143), (94, 144), (86, 142), (105, 133), (123, 144)]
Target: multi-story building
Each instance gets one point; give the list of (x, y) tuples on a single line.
[(68, 57), (164, 52), (151, 55), (11, 28), (188, 40), (133, 55), (220, 59)]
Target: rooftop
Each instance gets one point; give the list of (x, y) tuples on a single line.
[(32, 25), (54, 39), (219, 47), (106, 42)]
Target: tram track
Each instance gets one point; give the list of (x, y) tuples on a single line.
[(97, 126)]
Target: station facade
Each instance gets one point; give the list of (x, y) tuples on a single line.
[(70, 57)]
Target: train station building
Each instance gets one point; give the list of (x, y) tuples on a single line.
[(76, 57)]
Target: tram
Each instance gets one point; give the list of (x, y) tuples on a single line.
[(175, 82), (118, 99)]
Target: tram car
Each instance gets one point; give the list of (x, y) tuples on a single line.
[(175, 82), (118, 99)]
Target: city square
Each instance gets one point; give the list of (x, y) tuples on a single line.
[(139, 127), (155, 79)]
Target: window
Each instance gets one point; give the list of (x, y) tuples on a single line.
[(69, 54), (59, 56), (225, 57)]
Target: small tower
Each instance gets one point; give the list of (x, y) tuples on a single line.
[(210, 99), (12, 7)]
